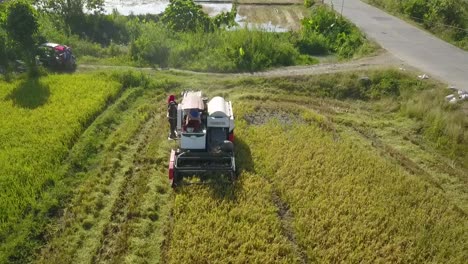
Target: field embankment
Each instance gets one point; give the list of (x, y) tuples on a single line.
[(339, 167)]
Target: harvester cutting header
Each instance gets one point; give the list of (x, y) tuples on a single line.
[(205, 130)]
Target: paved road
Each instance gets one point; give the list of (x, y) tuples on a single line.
[(408, 43)]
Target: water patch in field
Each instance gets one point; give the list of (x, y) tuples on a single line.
[(242, 21), (216, 9), (141, 7), (136, 7)]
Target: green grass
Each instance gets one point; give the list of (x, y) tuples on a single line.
[(142, 42)]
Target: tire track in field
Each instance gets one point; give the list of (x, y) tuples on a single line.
[(76, 234), (287, 218), (409, 165), (114, 241), (166, 244)]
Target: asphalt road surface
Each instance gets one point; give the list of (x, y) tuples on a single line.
[(410, 44)]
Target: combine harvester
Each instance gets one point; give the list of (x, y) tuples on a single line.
[(205, 132)]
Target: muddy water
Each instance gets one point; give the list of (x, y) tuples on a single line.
[(139, 7)]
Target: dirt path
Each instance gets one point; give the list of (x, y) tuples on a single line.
[(382, 60)]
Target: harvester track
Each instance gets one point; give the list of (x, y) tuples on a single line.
[(114, 241)]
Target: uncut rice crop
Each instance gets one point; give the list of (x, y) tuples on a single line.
[(349, 203), (40, 120), (230, 224)]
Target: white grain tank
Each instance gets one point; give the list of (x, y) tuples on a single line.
[(220, 114)]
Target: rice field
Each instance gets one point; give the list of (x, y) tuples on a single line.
[(325, 177), (40, 120)]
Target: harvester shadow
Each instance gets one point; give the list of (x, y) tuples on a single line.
[(30, 93), (243, 157), (244, 163)]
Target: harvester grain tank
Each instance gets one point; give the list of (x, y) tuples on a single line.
[(205, 130)]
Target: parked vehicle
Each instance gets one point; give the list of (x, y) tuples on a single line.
[(56, 56)]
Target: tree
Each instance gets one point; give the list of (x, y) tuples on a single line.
[(3, 39), (185, 15), (22, 27), (71, 11)]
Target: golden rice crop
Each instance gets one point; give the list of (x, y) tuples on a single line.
[(230, 224), (352, 205)]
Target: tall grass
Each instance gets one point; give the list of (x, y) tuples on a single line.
[(442, 123), (225, 51), (327, 32)]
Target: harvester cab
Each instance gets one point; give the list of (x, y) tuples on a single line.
[(206, 134)]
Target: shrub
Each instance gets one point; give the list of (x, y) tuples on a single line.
[(152, 46), (416, 8), (220, 50), (443, 124), (324, 27), (313, 44)]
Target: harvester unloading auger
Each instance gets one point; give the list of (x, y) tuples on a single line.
[(205, 132)]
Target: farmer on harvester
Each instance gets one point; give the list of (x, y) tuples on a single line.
[(172, 116)]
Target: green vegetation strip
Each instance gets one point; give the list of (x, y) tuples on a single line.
[(41, 120)]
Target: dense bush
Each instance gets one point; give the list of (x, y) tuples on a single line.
[(152, 46), (313, 44), (325, 30), (186, 15), (3, 39), (446, 18), (220, 50), (185, 37)]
